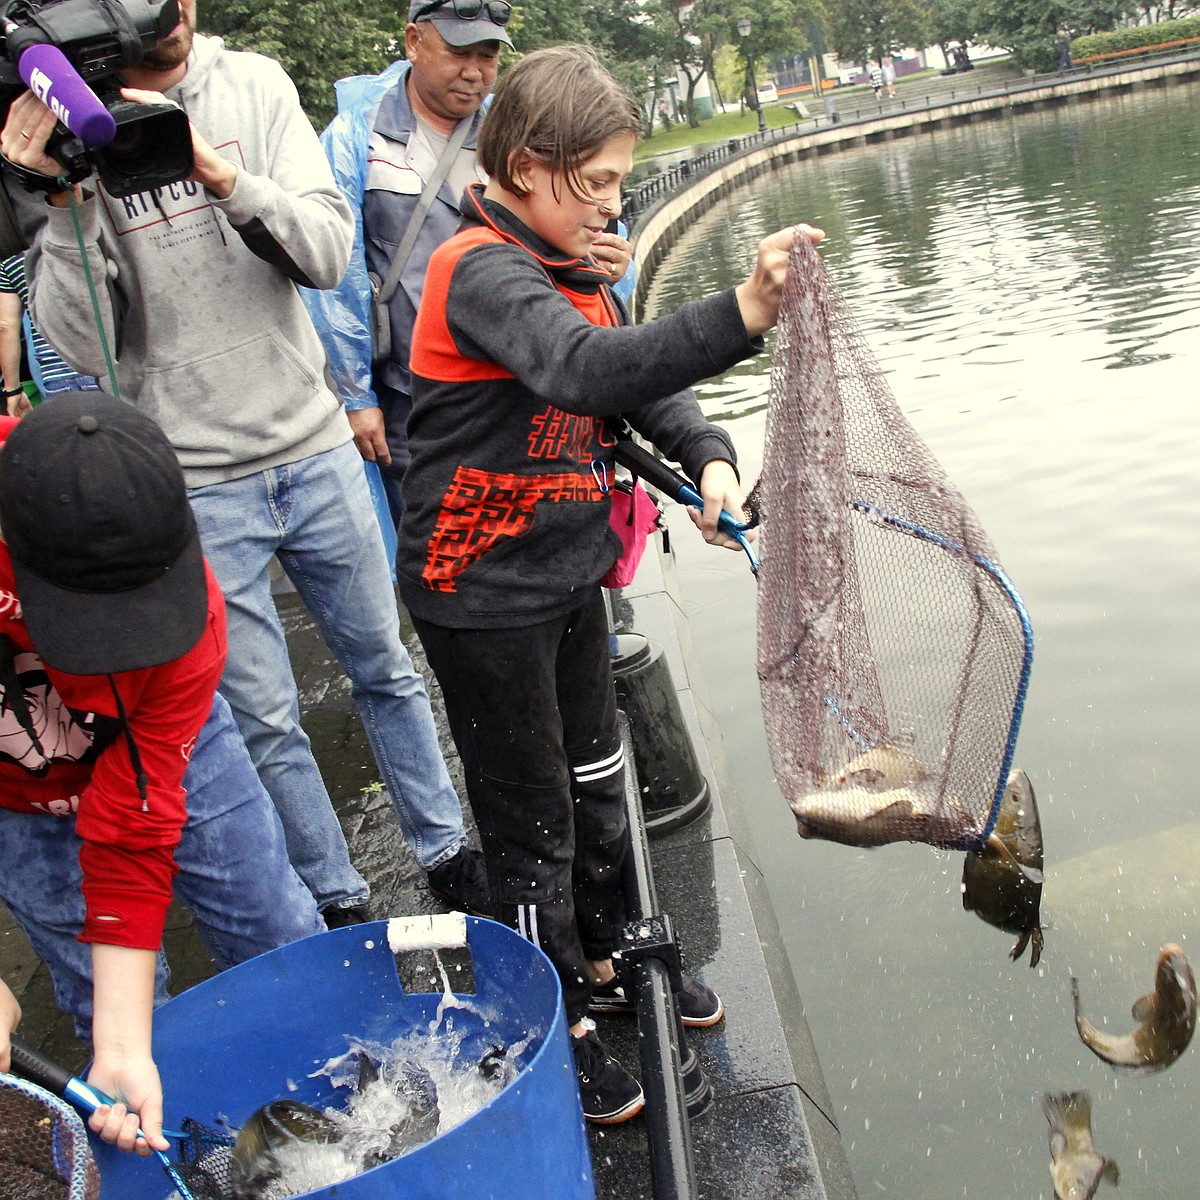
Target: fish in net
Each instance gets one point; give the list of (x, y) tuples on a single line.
[(893, 650), (44, 1153)]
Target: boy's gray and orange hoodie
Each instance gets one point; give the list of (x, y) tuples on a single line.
[(522, 361)]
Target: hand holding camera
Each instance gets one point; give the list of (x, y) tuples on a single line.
[(23, 139), (71, 53), (213, 172)]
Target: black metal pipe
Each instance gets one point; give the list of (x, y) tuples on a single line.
[(660, 1031)]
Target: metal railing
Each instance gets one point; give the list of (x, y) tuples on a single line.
[(672, 1078)]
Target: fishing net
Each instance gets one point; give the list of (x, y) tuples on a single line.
[(44, 1152), (893, 651)]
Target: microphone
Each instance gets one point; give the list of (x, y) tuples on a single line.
[(61, 88)]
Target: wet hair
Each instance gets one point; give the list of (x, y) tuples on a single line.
[(561, 105)]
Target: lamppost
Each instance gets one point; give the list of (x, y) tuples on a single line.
[(743, 28)]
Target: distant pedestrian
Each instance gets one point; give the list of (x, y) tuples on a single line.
[(1062, 44), (876, 76), (889, 77)]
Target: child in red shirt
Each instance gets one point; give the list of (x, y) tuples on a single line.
[(112, 642)]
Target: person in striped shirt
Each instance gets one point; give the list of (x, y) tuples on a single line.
[(49, 374)]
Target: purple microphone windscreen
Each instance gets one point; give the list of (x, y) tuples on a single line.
[(61, 88)]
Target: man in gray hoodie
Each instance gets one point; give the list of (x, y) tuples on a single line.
[(203, 329)]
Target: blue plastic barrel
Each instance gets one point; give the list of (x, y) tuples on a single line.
[(257, 1033)]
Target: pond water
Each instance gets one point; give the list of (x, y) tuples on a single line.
[(1031, 287)]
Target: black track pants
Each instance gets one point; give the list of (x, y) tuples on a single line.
[(533, 714)]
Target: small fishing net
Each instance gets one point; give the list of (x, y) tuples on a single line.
[(893, 652), (44, 1152)]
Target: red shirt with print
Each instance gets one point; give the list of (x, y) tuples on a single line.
[(80, 763)]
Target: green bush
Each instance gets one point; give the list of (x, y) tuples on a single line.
[(1135, 37), (1038, 54)]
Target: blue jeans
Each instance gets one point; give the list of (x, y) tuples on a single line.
[(234, 873), (316, 516)]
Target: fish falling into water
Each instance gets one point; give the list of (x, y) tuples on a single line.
[(1076, 1166), (883, 795), (1166, 1019), (1002, 882)]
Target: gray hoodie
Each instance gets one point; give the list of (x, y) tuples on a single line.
[(211, 337)]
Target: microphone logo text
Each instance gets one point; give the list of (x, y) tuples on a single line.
[(40, 84)]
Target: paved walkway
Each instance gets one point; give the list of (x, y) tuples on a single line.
[(856, 103), (920, 91)]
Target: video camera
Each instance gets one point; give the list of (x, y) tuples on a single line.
[(70, 53)]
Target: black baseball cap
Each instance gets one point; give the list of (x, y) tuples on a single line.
[(465, 22), (103, 543)]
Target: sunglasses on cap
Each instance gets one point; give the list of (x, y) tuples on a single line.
[(498, 11)]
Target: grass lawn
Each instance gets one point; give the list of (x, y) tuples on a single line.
[(715, 129)]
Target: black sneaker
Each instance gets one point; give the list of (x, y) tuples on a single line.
[(609, 1093), (351, 914), (699, 1006), (462, 883)]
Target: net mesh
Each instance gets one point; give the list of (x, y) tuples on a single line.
[(44, 1152), (205, 1164), (893, 651)]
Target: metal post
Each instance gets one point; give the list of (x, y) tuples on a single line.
[(648, 954), (758, 108)]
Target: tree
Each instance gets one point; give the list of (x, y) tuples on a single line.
[(685, 31), (1027, 27), (730, 70), (631, 44), (316, 41), (952, 21), (778, 29), (621, 32), (538, 23), (860, 30)]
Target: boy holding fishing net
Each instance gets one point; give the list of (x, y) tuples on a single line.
[(522, 363)]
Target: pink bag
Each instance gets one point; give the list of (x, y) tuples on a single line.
[(635, 516)]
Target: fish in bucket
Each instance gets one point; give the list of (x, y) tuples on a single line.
[(305, 1048)]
